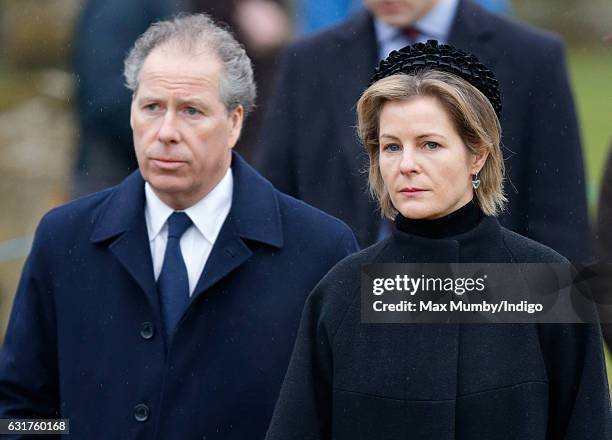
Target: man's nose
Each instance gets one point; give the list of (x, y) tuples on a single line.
[(168, 132)]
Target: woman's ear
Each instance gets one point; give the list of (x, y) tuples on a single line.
[(478, 160)]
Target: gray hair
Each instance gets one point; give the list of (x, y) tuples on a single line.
[(236, 86)]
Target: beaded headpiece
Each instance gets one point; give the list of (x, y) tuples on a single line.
[(434, 56)]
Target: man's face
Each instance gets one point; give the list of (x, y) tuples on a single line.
[(399, 13), (183, 134)]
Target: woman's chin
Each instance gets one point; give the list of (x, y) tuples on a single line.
[(416, 210)]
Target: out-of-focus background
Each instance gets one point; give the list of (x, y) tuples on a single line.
[(38, 120)]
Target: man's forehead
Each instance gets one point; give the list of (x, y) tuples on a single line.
[(172, 63), (200, 53)]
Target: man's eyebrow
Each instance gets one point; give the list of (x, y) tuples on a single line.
[(192, 100), (181, 101), (147, 98)]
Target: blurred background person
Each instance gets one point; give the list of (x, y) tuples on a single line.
[(309, 149), (604, 250), (315, 15), (106, 30)]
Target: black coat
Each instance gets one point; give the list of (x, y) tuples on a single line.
[(349, 380), (310, 150)]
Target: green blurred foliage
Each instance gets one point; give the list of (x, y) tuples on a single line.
[(591, 76)]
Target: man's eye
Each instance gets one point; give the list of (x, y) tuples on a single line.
[(431, 145), (392, 147), (192, 111), (151, 107)]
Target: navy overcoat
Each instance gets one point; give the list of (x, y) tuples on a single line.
[(84, 339)]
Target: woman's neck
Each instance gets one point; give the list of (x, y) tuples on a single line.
[(455, 223)]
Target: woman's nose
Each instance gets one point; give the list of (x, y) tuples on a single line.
[(409, 161)]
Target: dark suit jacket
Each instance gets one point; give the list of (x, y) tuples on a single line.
[(84, 336), (310, 148)]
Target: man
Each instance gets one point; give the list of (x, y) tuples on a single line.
[(104, 154), (310, 150), (166, 307)]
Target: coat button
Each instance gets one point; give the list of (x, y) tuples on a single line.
[(147, 330), (141, 412)]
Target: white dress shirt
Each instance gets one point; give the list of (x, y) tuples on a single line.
[(208, 216), (435, 25)]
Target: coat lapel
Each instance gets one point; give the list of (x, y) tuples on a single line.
[(229, 252), (254, 216), (134, 253), (121, 225), (351, 66), (473, 32), (356, 56)]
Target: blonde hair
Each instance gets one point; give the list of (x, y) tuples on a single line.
[(471, 113)]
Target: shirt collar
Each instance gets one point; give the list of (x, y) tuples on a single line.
[(207, 215), (435, 25), (384, 31)]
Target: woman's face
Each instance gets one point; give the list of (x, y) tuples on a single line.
[(425, 165)]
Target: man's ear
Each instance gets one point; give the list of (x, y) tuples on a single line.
[(236, 120), (132, 103)]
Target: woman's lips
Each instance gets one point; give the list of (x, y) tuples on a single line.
[(412, 191)]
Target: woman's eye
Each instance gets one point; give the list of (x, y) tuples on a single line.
[(392, 147), (431, 145)]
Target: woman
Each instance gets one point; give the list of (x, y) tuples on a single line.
[(430, 125)]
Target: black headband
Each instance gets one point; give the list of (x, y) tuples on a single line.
[(434, 56)]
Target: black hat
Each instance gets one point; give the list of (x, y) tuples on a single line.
[(444, 57)]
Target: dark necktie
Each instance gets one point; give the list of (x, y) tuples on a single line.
[(173, 282), (411, 33)]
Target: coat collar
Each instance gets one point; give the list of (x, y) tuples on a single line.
[(254, 215), (483, 243), (255, 212)]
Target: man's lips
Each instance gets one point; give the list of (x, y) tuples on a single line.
[(166, 159), (167, 163)]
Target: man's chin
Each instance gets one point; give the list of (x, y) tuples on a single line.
[(168, 184), (396, 20)]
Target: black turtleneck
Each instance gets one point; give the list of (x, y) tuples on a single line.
[(457, 222)]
